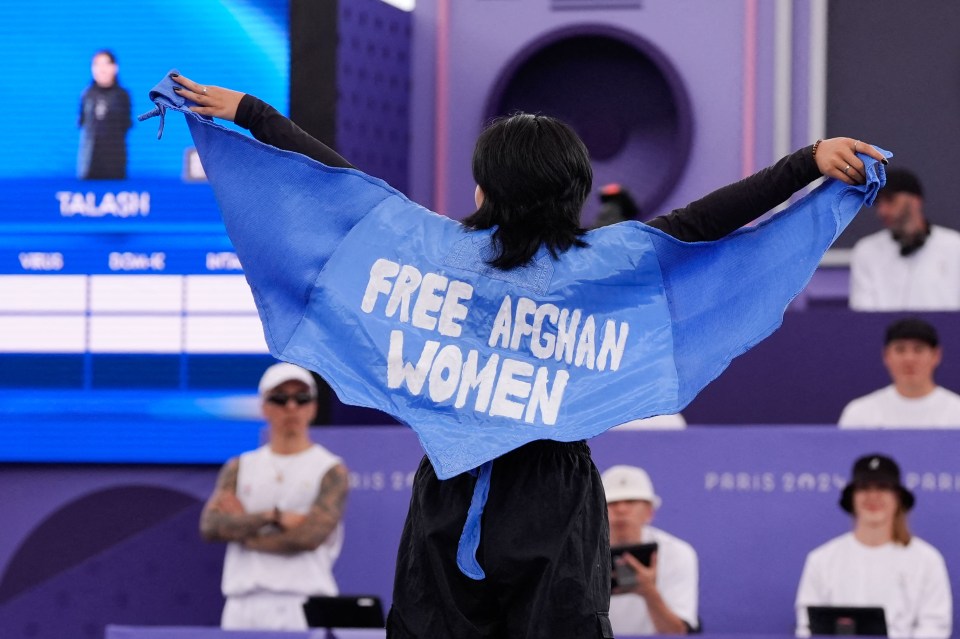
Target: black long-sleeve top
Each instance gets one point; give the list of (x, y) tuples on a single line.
[(709, 218)]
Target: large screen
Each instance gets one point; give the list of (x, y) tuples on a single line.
[(126, 326)]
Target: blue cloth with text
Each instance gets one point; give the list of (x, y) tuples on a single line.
[(396, 307)]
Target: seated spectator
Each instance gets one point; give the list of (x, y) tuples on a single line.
[(880, 563), (912, 264), (661, 599), (616, 205), (911, 354)]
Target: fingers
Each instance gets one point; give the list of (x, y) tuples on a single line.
[(843, 166), (863, 147), (852, 168), (856, 165), (205, 103), (199, 93), (213, 101), (187, 82), (845, 161), (633, 563), (838, 174), (840, 159)]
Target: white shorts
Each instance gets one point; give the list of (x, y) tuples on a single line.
[(264, 611)]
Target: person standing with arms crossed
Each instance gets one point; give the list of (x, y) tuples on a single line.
[(279, 508)]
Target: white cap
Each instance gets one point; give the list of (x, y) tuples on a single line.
[(623, 483), (283, 372)]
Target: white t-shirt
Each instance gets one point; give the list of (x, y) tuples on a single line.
[(909, 582), (266, 480), (657, 422), (677, 580), (886, 408), (883, 280)]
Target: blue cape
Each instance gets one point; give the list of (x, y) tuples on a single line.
[(396, 307)]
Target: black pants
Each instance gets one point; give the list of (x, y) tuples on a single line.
[(544, 546)]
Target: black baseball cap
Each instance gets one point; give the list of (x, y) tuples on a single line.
[(912, 328)]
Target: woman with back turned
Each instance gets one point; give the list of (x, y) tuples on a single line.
[(544, 546)]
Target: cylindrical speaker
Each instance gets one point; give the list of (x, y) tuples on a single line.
[(620, 94), (656, 90)]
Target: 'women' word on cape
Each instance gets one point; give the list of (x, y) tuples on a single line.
[(397, 308)]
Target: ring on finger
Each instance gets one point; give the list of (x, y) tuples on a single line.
[(856, 143), (846, 170), (204, 90)]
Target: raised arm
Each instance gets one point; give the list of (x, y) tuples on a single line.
[(223, 517), (306, 532), (731, 207), (265, 123)]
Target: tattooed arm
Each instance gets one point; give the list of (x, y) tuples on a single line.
[(223, 517), (307, 532)]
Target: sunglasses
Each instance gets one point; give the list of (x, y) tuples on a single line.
[(281, 399)]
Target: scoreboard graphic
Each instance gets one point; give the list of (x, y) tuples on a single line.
[(127, 330)]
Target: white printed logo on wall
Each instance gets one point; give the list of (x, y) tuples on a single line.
[(818, 482), (378, 481)]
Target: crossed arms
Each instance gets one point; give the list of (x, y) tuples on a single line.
[(224, 518)]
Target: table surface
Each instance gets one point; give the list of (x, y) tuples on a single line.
[(192, 632)]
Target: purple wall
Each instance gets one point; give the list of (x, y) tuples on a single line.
[(373, 83), (82, 546), (752, 501)]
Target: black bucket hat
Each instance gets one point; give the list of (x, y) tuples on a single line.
[(876, 470)]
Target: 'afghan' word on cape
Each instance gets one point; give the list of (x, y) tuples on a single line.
[(500, 386)]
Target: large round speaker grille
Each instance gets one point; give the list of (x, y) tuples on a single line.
[(622, 97)]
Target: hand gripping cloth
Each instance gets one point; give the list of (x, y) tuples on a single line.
[(396, 307)]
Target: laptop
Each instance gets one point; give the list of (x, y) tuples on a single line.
[(847, 620), (348, 611)]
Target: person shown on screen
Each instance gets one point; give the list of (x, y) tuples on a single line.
[(279, 508), (660, 599), (911, 265), (880, 563), (911, 353), (544, 546), (104, 122)]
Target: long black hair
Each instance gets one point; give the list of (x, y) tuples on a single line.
[(535, 175)]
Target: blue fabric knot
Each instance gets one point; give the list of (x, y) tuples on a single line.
[(164, 97), (160, 110)]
